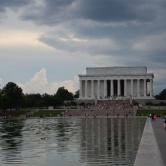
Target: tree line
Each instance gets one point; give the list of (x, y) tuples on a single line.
[(12, 97), (161, 95)]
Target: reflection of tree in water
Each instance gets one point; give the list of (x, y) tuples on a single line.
[(11, 138), (65, 130)]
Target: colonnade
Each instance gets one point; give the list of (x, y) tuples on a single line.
[(103, 88)]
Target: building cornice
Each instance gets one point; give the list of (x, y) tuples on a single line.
[(85, 75)]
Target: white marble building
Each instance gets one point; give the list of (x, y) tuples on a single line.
[(122, 82)]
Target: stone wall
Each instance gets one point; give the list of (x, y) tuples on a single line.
[(153, 101), (85, 101), (115, 70)]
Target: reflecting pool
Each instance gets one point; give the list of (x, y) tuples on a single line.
[(70, 142)]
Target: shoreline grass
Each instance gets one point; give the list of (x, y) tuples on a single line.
[(15, 113), (55, 113), (47, 113), (147, 112)]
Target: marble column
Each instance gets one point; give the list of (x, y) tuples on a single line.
[(125, 87), (138, 88), (112, 88), (105, 88), (132, 88), (151, 87), (98, 95), (145, 89), (119, 90), (92, 88), (86, 88), (80, 92)]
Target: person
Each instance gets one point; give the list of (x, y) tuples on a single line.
[(150, 115), (165, 124), (155, 117)]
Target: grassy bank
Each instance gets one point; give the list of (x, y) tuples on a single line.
[(47, 113), (14, 113), (147, 112)]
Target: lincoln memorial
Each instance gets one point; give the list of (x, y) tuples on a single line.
[(116, 82)]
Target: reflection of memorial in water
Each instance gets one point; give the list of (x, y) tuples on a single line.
[(110, 141), (71, 141)]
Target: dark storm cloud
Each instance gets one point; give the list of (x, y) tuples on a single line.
[(141, 17), (114, 10), (4, 4), (157, 57), (72, 44), (126, 22), (123, 21), (126, 32), (48, 12), (56, 5), (55, 11)]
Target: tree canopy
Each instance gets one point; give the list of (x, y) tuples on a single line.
[(162, 95), (64, 94), (76, 95), (11, 96)]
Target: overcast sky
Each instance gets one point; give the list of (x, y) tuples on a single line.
[(45, 44)]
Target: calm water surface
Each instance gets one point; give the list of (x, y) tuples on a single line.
[(70, 142)]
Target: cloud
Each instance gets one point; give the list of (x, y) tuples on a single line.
[(75, 44), (17, 39), (151, 42), (0, 82), (14, 4), (39, 84), (82, 33), (52, 11), (49, 12)]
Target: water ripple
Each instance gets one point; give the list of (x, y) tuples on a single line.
[(68, 142)]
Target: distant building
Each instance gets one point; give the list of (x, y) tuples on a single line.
[(116, 82)]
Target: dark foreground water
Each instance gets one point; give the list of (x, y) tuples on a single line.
[(70, 142)]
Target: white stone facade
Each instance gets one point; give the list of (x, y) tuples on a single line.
[(108, 82)]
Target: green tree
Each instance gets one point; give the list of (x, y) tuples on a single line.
[(48, 100), (63, 94), (32, 100), (3, 102), (162, 95), (157, 97), (11, 96), (76, 95)]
